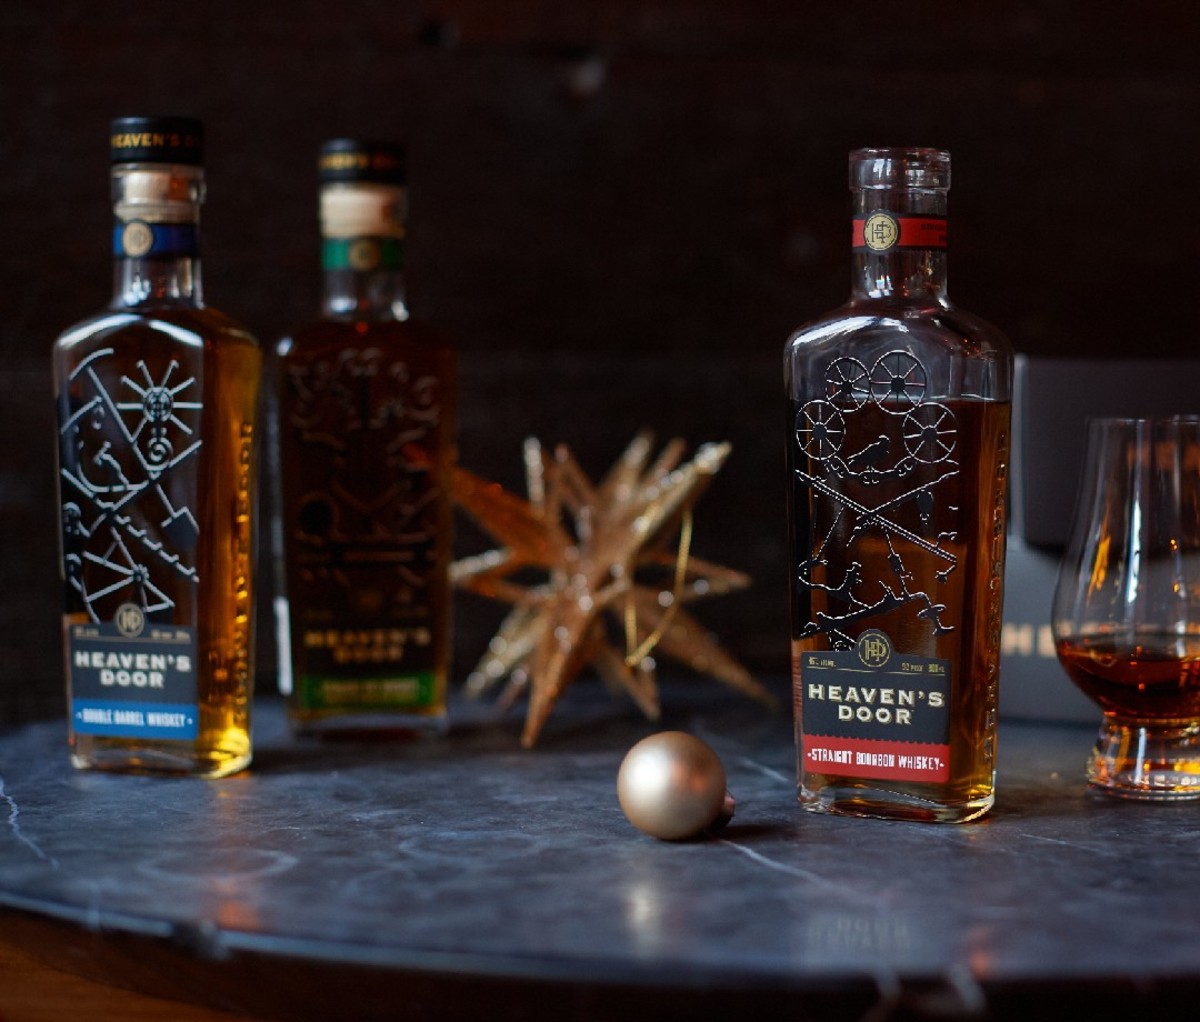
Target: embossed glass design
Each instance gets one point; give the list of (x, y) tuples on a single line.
[(1127, 607), (897, 450), (365, 443), (157, 400)]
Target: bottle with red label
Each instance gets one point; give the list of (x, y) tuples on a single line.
[(897, 456)]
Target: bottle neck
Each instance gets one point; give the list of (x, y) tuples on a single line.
[(369, 295), (173, 281), (899, 245), (362, 251), (156, 235)]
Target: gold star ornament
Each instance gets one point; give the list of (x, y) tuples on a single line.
[(617, 569)]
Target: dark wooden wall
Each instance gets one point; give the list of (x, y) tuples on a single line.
[(620, 208)]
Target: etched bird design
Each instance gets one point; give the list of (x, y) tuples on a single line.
[(871, 456)]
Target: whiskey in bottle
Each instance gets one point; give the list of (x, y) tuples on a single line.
[(897, 452), (156, 399), (365, 444)]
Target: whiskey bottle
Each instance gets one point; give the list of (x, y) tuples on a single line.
[(156, 399), (365, 444), (897, 451)]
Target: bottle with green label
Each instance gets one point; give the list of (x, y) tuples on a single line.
[(897, 450), (157, 399), (364, 442)]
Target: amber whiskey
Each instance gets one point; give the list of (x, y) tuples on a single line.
[(897, 452), (1143, 675), (156, 400), (365, 444)]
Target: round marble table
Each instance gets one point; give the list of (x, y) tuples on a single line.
[(468, 878)]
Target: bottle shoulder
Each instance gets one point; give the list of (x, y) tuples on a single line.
[(408, 338), (190, 326), (944, 352), (879, 325)]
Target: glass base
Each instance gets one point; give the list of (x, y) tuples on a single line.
[(1157, 761), (335, 724), (881, 804), (182, 759)]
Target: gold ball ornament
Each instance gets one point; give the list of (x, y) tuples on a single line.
[(671, 786)]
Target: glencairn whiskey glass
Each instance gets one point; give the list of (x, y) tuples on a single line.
[(1127, 607)]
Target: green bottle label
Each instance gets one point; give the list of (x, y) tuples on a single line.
[(386, 693), (362, 255)]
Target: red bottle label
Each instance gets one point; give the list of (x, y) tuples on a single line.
[(873, 711), (882, 231)]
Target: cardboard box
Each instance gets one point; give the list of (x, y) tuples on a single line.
[(1033, 685), (1052, 400)]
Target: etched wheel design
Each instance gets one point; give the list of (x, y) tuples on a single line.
[(930, 433), (898, 382), (820, 430), (847, 383)]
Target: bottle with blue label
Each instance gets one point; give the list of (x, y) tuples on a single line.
[(157, 404)]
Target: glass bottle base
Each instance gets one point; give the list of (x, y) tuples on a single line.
[(115, 755), (1155, 761), (371, 725), (879, 803)]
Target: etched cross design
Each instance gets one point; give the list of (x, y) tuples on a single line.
[(914, 439), (368, 519), (126, 530)]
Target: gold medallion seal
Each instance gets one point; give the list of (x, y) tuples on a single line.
[(364, 255), (874, 648), (130, 620), (137, 239), (880, 232)]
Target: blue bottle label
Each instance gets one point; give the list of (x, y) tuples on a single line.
[(142, 239), (133, 679)]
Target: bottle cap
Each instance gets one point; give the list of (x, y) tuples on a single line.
[(348, 159), (157, 140)]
